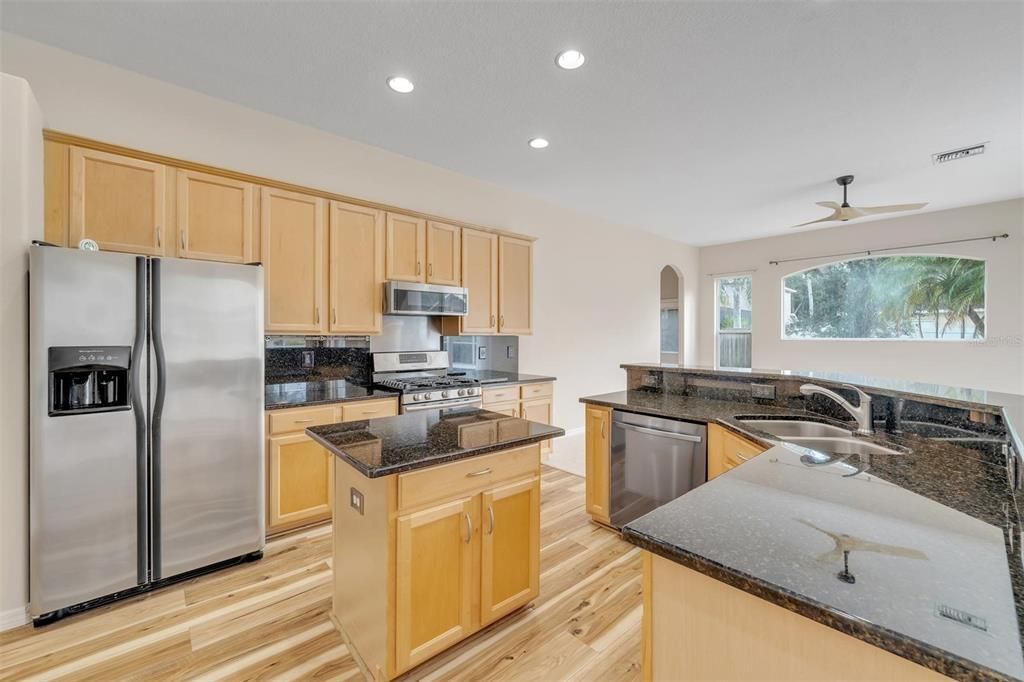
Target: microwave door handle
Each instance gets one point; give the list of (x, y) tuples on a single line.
[(655, 432)]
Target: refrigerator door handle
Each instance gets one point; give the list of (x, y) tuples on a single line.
[(141, 427), (156, 336)]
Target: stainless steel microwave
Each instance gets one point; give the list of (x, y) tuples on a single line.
[(411, 298)]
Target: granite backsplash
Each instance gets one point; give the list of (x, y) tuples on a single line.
[(298, 359)]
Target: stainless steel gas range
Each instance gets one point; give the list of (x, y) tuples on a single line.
[(424, 381)]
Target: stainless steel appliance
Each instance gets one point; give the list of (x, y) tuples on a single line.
[(423, 380), (411, 298), (146, 423), (653, 461)]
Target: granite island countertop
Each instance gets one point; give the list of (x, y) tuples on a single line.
[(426, 438), (930, 530)]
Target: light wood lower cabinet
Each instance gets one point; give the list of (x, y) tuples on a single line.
[(434, 590), (534, 402), (435, 555), (598, 461), (727, 450), (300, 471)]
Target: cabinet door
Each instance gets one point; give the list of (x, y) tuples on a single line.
[(480, 276), (300, 481), (444, 254), (434, 581), (215, 218), (538, 410), (356, 269), (598, 435), (294, 254), (118, 201), (510, 543), (407, 248), (515, 286), (727, 450)]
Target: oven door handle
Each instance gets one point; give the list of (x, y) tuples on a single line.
[(438, 405), (655, 432)]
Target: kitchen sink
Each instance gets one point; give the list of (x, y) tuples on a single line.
[(788, 429), (843, 446)]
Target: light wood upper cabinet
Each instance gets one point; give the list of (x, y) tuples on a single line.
[(444, 254), (215, 218), (356, 269), (598, 437), (118, 201), (727, 450), (434, 580), (480, 276), (510, 553), (406, 248), (515, 286), (294, 254)]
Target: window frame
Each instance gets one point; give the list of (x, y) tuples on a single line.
[(853, 339)]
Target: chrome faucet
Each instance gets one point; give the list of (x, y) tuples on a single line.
[(862, 413)]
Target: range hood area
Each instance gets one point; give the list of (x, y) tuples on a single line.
[(413, 298)]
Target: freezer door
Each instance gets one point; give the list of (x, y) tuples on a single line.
[(87, 511), (208, 485)]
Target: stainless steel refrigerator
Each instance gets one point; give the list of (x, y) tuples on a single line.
[(146, 423)]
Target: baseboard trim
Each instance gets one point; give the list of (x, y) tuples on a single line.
[(12, 618)]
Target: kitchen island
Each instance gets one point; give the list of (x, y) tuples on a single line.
[(436, 529), (804, 563)]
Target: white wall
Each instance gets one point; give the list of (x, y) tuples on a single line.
[(21, 220), (994, 364), (590, 275)]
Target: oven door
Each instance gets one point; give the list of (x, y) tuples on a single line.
[(475, 401), (409, 298), (653, 461)]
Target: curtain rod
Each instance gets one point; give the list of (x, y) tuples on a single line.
[(993, 237), (733, 272)]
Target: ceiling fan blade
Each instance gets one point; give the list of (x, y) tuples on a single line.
[(826, 219), (895, 208), (828, 204)]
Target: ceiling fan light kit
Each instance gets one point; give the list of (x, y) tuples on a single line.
[(844, 212)]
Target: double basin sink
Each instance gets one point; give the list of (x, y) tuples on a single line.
[(826, 438)]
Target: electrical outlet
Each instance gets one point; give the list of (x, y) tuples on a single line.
[(481, 353), (356, 500), (509, 353), (762, 391), (308, 358)]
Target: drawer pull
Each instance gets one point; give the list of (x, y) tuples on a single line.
[(303, 421), (745, 459), (469, 527), (482, 472)]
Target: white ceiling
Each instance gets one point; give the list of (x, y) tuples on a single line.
[(706, 122)]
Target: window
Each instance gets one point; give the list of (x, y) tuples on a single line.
[(670, 326), (734, 312), (890, 297)]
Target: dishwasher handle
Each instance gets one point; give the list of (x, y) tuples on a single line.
[(657, 432)]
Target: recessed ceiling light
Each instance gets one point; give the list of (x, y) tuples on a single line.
[(570, 59), (538, 143), (400, 84)]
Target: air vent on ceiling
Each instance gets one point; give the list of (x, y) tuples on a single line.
[(957, 154)]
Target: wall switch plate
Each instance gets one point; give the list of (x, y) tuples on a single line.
[(651, 380), (308, 358), (509, 353), (481, 353), (762, 391), (356, 500)]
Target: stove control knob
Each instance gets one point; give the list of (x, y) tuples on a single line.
[(415, 397), (444, 394), (462, 391)]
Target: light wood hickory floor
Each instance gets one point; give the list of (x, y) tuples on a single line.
[(269, 619)]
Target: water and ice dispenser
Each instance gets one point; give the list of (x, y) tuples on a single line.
[(89, 379)]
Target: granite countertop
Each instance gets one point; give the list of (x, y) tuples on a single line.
[(493, 376), (304, 393), (935, 527), (1010, 405), (415, 440)]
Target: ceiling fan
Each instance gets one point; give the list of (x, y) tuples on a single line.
[(844, 211)]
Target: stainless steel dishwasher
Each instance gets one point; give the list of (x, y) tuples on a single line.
[(653, 461)]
